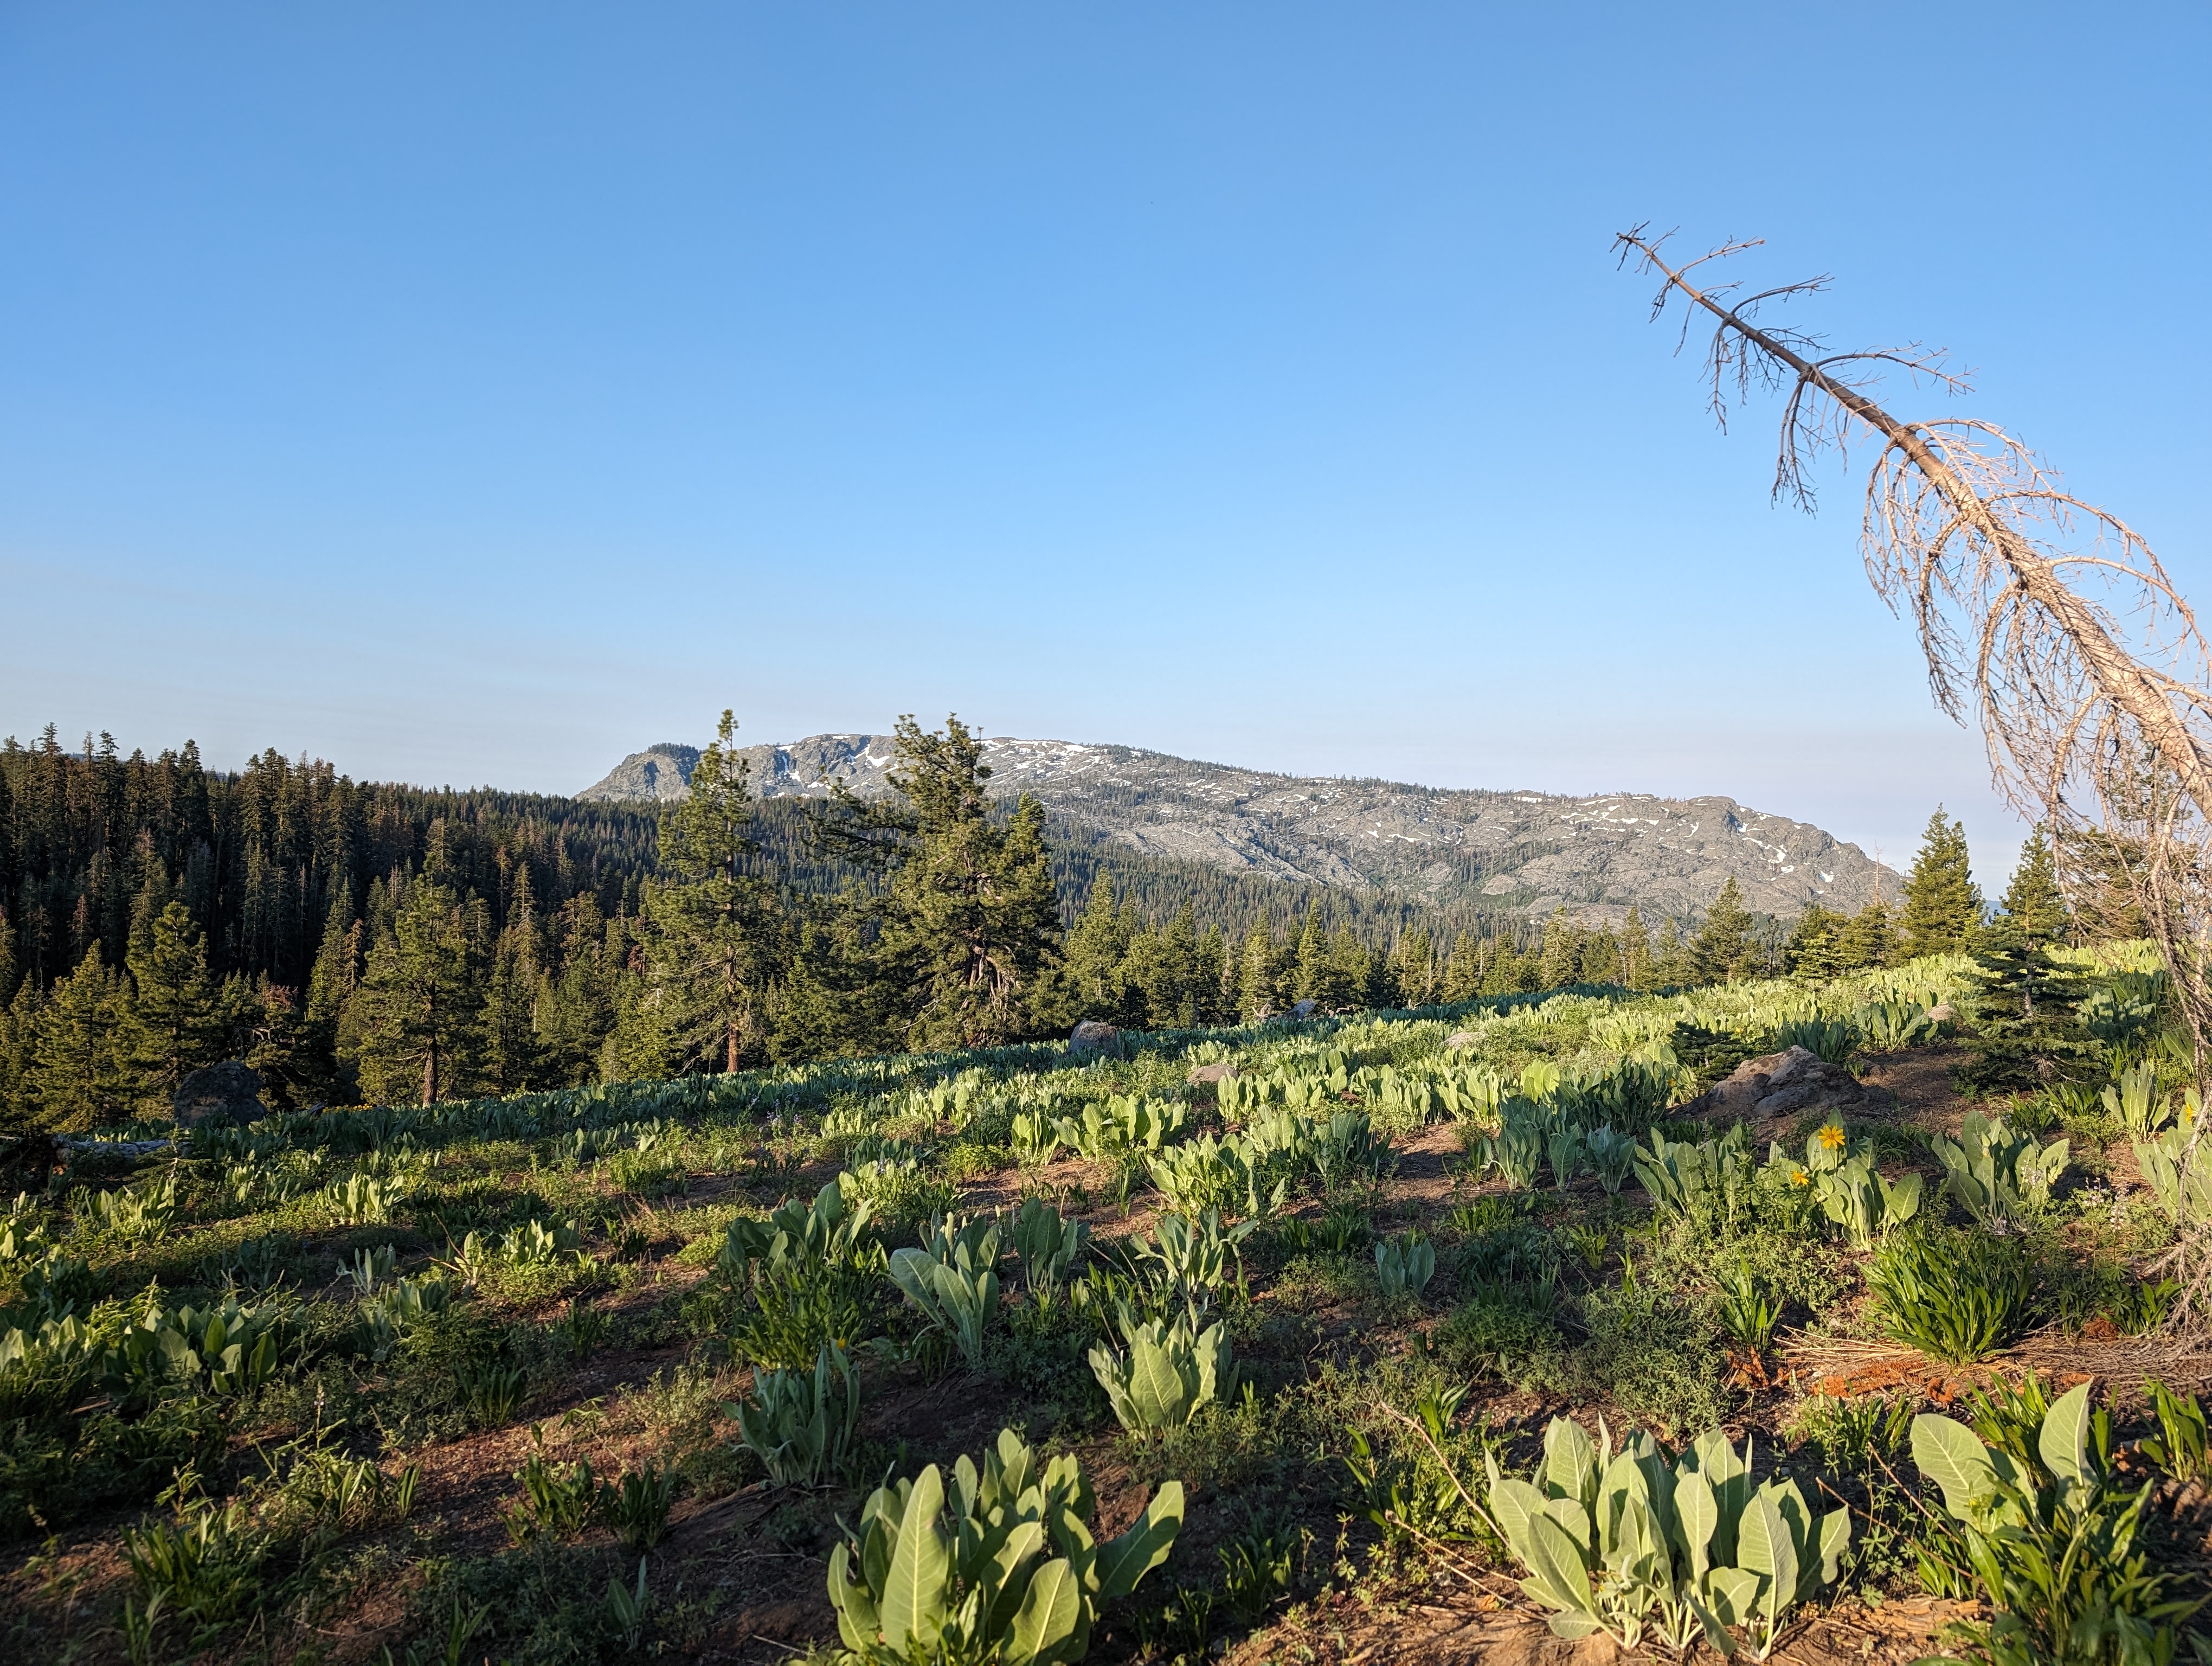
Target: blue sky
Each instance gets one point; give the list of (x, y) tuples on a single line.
[(476, 394)]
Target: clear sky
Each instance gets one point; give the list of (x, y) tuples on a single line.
[(479, 393)]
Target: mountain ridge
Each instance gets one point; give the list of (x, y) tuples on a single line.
[(1511, 853)]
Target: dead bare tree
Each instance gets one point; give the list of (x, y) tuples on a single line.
[(2085, 664)]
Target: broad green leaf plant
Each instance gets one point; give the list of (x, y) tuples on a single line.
[(1627, 1543), (1000, 1567)]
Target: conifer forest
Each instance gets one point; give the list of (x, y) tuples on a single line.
[(756, 1229)]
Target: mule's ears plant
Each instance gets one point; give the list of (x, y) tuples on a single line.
[(1404, 1266), (1626, 1542), (1050, 1249), (1612, 1156), (954, 1281), (999, 1566), (1993, 1171), (1170, 1371), (801, 1425), (2052, 1540)]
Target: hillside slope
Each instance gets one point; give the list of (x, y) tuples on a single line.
[(1506, 852)]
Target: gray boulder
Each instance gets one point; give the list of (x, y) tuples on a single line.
[(1094, 1038), (1460, 1038), (228, 1092), (1304, 1009), (1779, 1085), (1201, 1074)]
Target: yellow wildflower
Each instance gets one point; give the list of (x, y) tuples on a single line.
[(1799, 1177), (1832, 1137)]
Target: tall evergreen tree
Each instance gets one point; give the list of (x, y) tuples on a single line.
[(1090, 968), (971, 912), (1562, 951), (1635, 950), (1866, 939), (1460, 979), (2035, 907), (174, 1024), (420, 1000), (1601, 957), (78, 1050), (1261, 973), (716, 933), (1942, 908), (1812, 952), (1724, 945)]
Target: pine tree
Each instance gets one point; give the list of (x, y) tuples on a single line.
[(2035, 907), (1462, 972), (1812, 952), (1412, 971), (1723, 946), (1601, 957), (2026, 1030), (716, 934), (420, 1000), (1091, 961), (1258, 995), (1866, 940), (1211, 976), (1562, 951), (1353, 970), (80, 1079), (19, 1069), (1635, 950), (973, 917), (511, 1052), (1941, 906), (175, 1024)]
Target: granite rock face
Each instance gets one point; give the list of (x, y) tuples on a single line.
[(1521, 853)]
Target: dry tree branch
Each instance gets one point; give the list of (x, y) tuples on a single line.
[(2085, 665)]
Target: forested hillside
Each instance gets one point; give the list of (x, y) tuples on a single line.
[(371, 941)]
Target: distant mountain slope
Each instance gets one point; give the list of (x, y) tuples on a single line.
[(1523, 854)]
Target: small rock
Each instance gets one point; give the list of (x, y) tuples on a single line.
[(1094, 1038), (1220, 1070), (1942, 1012), (1462, 1038), (1304, 1009), (225, 1092)]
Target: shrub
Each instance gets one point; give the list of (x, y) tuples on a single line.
[(953, 1280), (205, 1569), (1956, 1299), (1171, 1371), (1994, 1171), (1491, 1336), (801, 1428), (1832, 1039), (1623, 1545), (1050, 1249), (1404, 1266), (2052, 1539), (1002, 1568), (634, 1506)]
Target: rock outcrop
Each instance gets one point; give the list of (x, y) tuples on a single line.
[(1523, 854), (1093, 1038), (225, 1093), (1784, 1085)]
